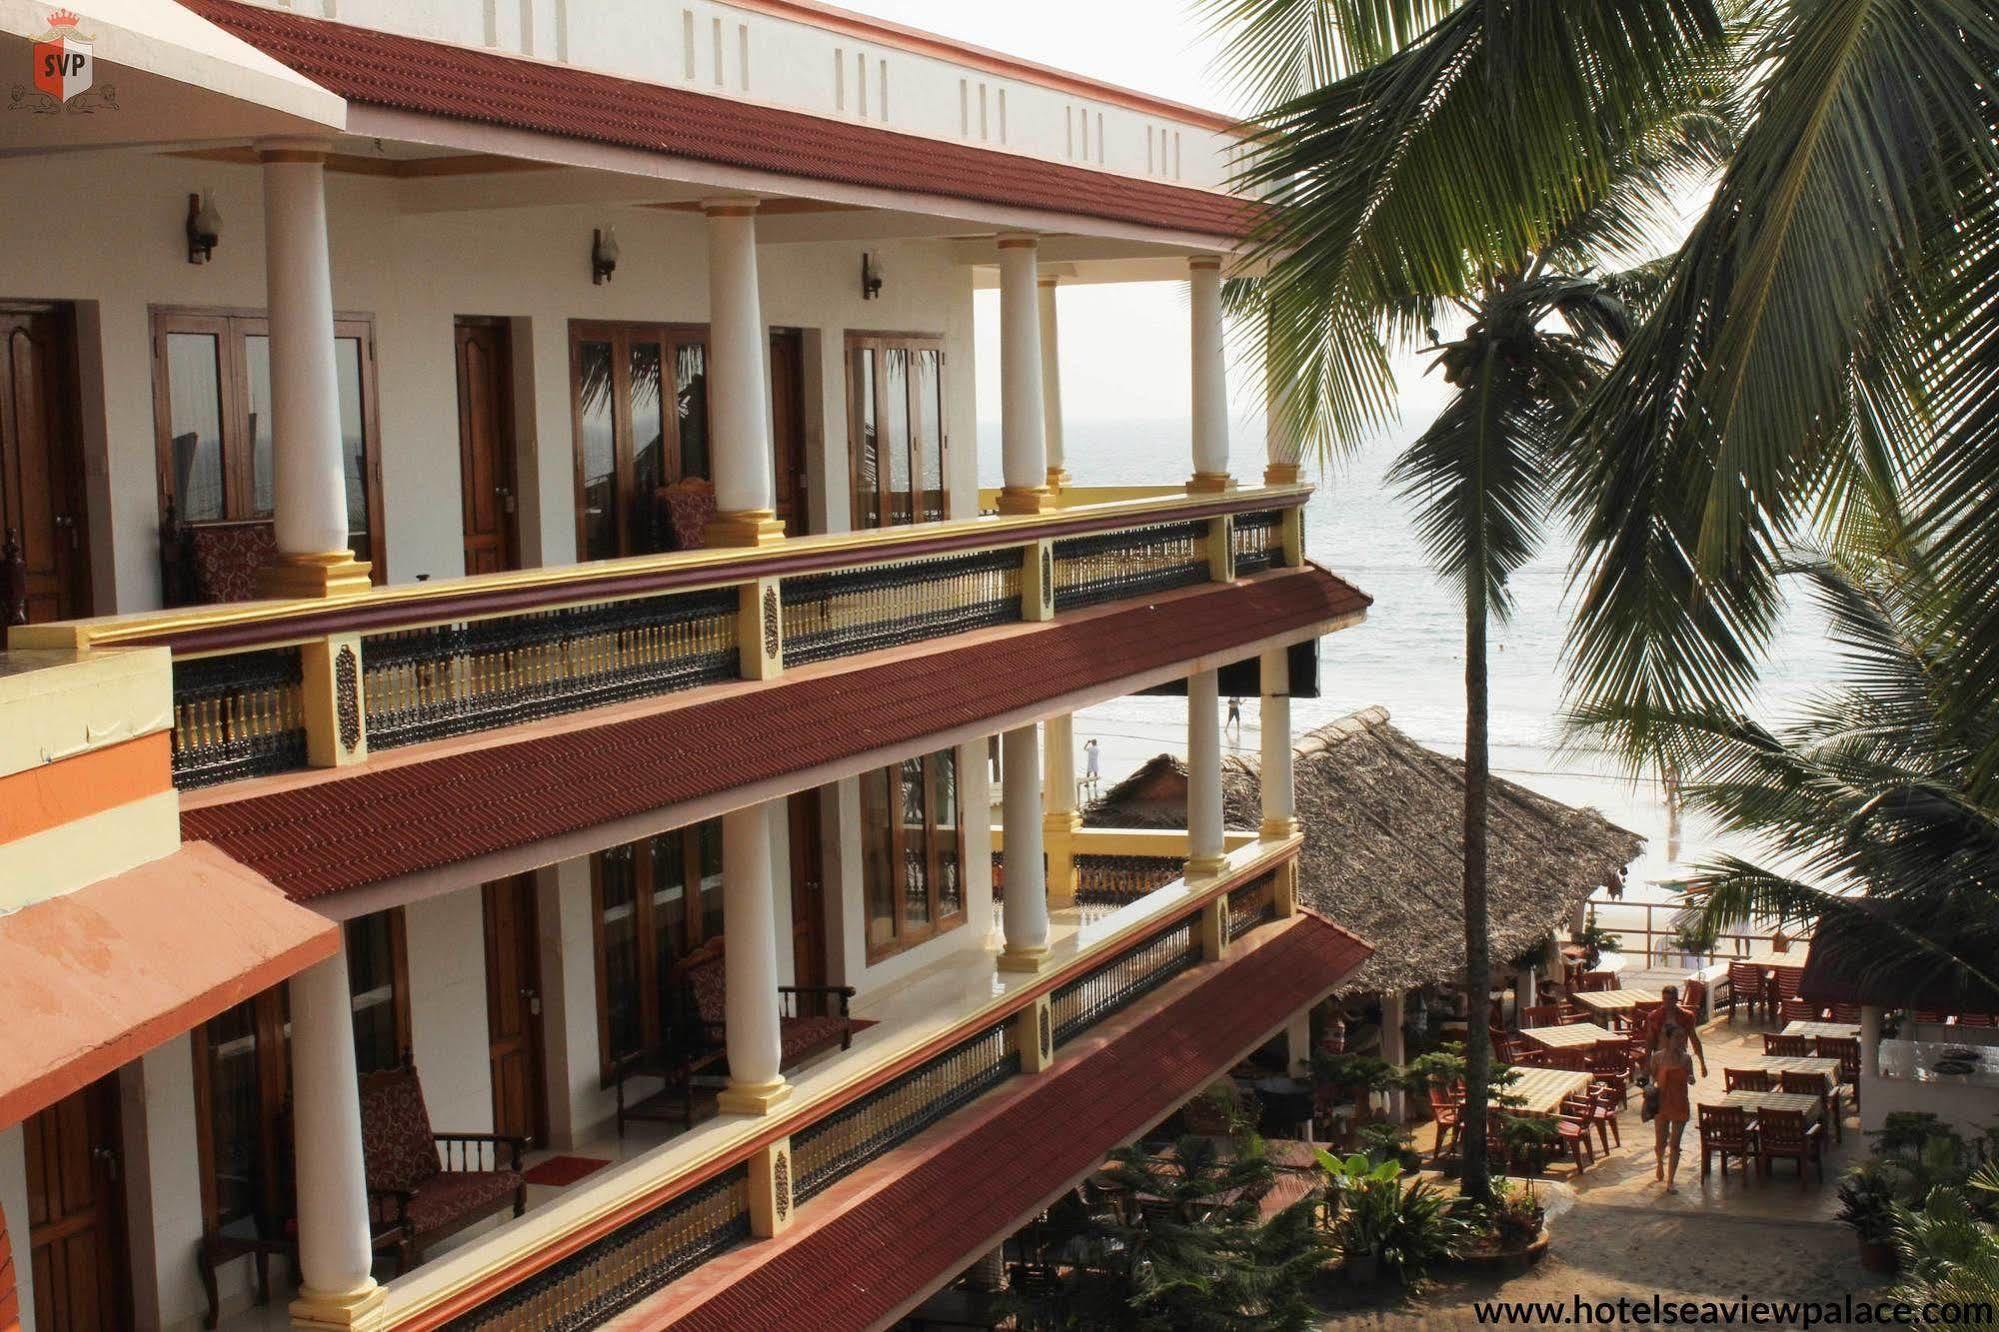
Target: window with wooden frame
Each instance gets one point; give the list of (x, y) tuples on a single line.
[(897, 425), (631, 439), (213, 427), (655, 901), (912, 852), (242, 1074)]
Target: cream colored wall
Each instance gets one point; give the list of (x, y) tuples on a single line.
[(173, 1183), (120, 245), (448, 1031)]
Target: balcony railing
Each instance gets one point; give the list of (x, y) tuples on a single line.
[(270, 687), (616, 1245)]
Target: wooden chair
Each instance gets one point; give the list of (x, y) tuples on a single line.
[(1447, 1109), (1507, 1046), (1846, 1012), (1541, 1015), (1745, 983), (1783, 1134), (1789, 1047), (1799, 1010), (682, 512), (1591, 982), (1725, 1132), (431, 1184), (1932, 1017), (1813, 1084), (1847, 1051), (1694, 997), (1784, 987), (800, 1034), (1975, 1019), (1572, 1136), (1593, 1108), (1746, 1079), (1610, 1066), (1573, 1059), (207, 564), (685, 1051)]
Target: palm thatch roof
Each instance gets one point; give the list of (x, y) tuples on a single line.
[(1384, 823)]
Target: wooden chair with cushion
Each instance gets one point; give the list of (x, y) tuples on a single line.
[(1784, 1134), (1788, 1047), (1725, 1132), (1746, 1079), (211, 564), (431, 1184), (684, 1053), (1745, 985), (1813, 1084), (683, 511), (800, 1033)]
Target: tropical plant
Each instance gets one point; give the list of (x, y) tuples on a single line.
[(1379, 1225), (1437, 1069), (1948, 1255), (1381, 1140), (1514, 1217), (1867, 1195)]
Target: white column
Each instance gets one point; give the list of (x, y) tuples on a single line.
[(1280, 795), (1870, 1040), (308, 469), (1205, 855), (1280, 441), (738, 382), (1060, 733), (1393, 1048), (1023, 448), (1058, 736), (1025, 911), (1211, 383), (1051, 385), (749, 955), (336, 1285)]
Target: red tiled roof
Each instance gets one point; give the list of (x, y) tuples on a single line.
[(436, 78), (378, 824), (956, 1198)]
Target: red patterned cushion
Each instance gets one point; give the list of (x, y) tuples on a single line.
[(690, 506), (799, 1037), (396, 1141), (226, 558), (709, 980), (455, 1196)]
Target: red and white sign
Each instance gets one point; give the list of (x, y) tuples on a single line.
[(63, 63)]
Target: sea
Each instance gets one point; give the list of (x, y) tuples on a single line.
[(1408, 656)]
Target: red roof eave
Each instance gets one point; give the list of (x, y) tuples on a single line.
[(413, 74)]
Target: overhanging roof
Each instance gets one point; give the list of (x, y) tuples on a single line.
[(95, 978), (513, 92)]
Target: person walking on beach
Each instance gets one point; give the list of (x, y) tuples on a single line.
[(1090, 773), (1235, 716), (1672, 1075)]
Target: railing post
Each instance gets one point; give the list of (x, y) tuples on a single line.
[(1037, 581), (1062, 821), (1034, 1035), (771, 1202), (760, 629), (1293, 527), (336, 718), (1221, 549), (1212, 929)]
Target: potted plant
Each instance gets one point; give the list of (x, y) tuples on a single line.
[(1382, 1227), (1694, 944), (1867, 1196), (1380, 1140), (1595, 941), (1529, 1141)]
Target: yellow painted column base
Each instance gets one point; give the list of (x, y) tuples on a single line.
[(1210, 483), (1058, 830), (1026, 500), (1283, 474), (298, 577), (752, 1098), (1026, 962), (1058, 479), (354, 1310), (743, 528), (1280, 830), (1034, 1036), (1206, 867)]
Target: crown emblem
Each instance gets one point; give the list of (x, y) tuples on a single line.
[(62, 18)]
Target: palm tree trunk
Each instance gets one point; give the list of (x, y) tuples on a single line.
[(1476, 1178)]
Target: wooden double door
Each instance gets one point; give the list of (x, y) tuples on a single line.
[(41, 466), (78, 1253)]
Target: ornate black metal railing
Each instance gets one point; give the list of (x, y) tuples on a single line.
[(237, 716), (900, 1109), (1256, 542), (1094, 569), (451, 679), (887, 605), (635, 1260), (1251, 905), (1114, 881), (1125, 979)]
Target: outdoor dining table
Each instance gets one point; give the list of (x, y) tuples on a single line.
[(1776, 1065), (1839, 1030), (1540, 1091), (1791, 959), (1569, 1036), (1615, 1003), (1754, 1102)]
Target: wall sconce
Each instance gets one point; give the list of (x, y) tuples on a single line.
[(871, 276), (204, 228), (603, 255)]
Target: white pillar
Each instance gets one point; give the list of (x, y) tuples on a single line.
[(738, 382), (1025, 911), (1058, 736), (1205, 852), (749, 948), (336, 1259), (1060, 733), (1023, 448), (1393, 1047), (308, 468), (1280, 795), (1870, 1040), (1211, 384), (1281, 442), (1051, 385)]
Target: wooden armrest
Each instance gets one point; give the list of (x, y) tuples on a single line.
[(515, 1145)]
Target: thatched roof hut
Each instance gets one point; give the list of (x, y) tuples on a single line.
[(1384, 846)]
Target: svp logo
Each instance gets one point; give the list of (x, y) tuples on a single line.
[(65, 72)]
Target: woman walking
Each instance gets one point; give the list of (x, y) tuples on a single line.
[(1672, 1077)]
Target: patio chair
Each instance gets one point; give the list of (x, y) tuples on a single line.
[(1788, 1047), (1574, 1060), (1746, 1079), (1610, 1065), (1447, 1108), (1783, 1134), (1572, 1136), (1745, 983), (800, 1034), (1591, 1110), (1799, 1010), (1847, 1051), (431, 1193), (1540, 1015), (1725, 1132), (1507, 1046), (1784, 986), (1812, 1084), (1694, 999), (1846, 1012), (1975, 1020), (1591, 982), (1932, 1017)]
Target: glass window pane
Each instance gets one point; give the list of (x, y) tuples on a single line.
[(709, 851), (648, 446), (669, 896), (895, 432), (926, 437), (354, 444), (596, 422), (263, 477), (234, 1115), (371, 978), (943, 770), (617, 899), (690, 372), (915, 846), (867, 452), (194, 393), (877, 874)]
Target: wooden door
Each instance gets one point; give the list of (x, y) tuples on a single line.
[(787, 426), (486, 446), (808, 891), (41, 466), (513, 1010), (76, 1223)]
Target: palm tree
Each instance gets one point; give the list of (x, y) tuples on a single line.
[(1370, 249)]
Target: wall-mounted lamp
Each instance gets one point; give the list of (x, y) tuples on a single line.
[(204, 228), (603, 255), (871, 276)]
